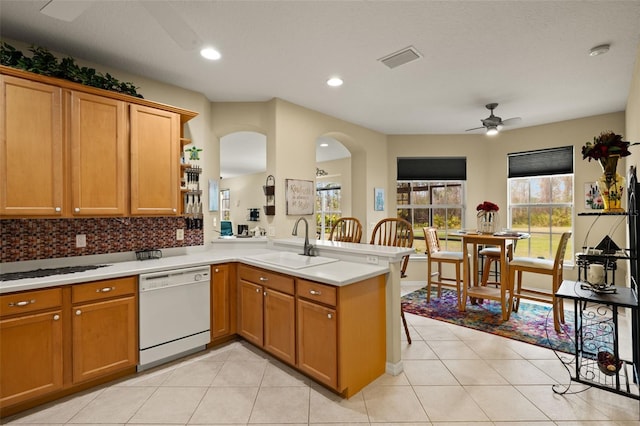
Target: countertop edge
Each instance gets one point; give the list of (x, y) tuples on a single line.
[(338, 274)]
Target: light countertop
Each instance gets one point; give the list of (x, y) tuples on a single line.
[(351, 267)]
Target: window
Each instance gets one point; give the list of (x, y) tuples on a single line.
[(225, 205), (540, 199), (328, 209), (430, 192)]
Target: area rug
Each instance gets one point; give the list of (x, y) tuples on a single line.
[(532, 323)]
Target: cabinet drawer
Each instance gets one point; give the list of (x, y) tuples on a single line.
[(267, 279), (321, 293), (30, 301), (105, 289)]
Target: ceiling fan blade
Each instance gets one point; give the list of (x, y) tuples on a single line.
[(173, 24), (475, 128), (512, 120)]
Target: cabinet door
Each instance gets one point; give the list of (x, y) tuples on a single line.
[(31, 151), (279, 325), (220, 301), (98, 155), (155, 139), (104, 337), (30, 356), (317, 342), (250, 312)]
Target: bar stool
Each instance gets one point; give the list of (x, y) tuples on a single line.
[(491, 256)]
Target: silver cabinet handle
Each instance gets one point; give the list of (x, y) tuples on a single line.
[(22, 303), (265, 293), (56, 317), (257, 290), (174, 210), (264, 279), (58, 209), (77, 209), (216, 270), (315, 292), (329, 315), (105, 289), (78, 312)]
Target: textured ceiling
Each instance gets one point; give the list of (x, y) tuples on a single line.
[(529, 56)]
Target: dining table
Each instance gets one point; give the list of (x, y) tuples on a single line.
[(474, 290)]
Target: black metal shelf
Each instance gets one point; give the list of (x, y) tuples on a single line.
[(596, 330)]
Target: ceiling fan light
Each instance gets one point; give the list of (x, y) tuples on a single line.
[(492, 130)]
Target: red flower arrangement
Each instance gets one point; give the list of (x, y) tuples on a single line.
[(605, 145), (486, 207)]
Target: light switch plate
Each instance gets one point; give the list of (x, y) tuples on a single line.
[(180, 234)]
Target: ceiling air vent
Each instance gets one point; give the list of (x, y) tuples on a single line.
[(400, 57)]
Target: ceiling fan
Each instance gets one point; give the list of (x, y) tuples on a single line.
[(493, 123)]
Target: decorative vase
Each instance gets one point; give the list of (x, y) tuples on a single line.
[(611, 184), (488, 222)]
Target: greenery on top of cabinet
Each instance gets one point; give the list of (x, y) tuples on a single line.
[(44, 62)]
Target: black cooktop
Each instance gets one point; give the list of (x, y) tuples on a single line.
[(47, 272)]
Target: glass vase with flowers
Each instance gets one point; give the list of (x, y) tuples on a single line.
[(488, 219), (607, 148)]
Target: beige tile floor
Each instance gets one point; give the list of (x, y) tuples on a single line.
[(452, 376)]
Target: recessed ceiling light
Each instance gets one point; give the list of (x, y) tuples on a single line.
[(324, 144), (210, 53), (599, 50), (334, 82)]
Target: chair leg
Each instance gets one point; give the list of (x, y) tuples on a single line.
[(428, 281), (406, 328), (516, 300)]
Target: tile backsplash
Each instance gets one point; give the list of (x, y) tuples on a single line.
[(35, 239)]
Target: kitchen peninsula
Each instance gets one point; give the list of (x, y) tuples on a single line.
[(362, 297)]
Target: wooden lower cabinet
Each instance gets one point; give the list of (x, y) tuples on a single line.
[(317, 342), (59, 340), (279, 325), (250, 312), (30, 356), (342, 333), (103, 337), (335, 335), (223, 302), (266, 311)]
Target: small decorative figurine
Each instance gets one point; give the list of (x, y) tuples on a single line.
[(193, 153)]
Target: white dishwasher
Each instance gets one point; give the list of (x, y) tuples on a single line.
[(174, 311)]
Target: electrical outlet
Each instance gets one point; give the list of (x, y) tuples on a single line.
[(180, 234), (81, 240), (372, 259), (272, 231)]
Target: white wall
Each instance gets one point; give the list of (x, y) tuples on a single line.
[(487, 167), (246, 192)]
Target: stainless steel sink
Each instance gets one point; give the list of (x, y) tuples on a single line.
[(291, 260)]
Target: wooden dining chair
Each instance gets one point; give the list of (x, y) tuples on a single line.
[(437, 256), (549, 267), (396, 232), (346, 229)]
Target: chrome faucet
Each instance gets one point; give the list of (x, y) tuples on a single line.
[(308, 248)]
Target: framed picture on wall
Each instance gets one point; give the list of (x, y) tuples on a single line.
[(592, 197), (300, 196), (213, 195), (378, 199)]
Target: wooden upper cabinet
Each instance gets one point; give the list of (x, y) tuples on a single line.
[(99, 155), (155, 140), (31, 148)]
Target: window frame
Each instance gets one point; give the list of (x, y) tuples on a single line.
[(538, 167)]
